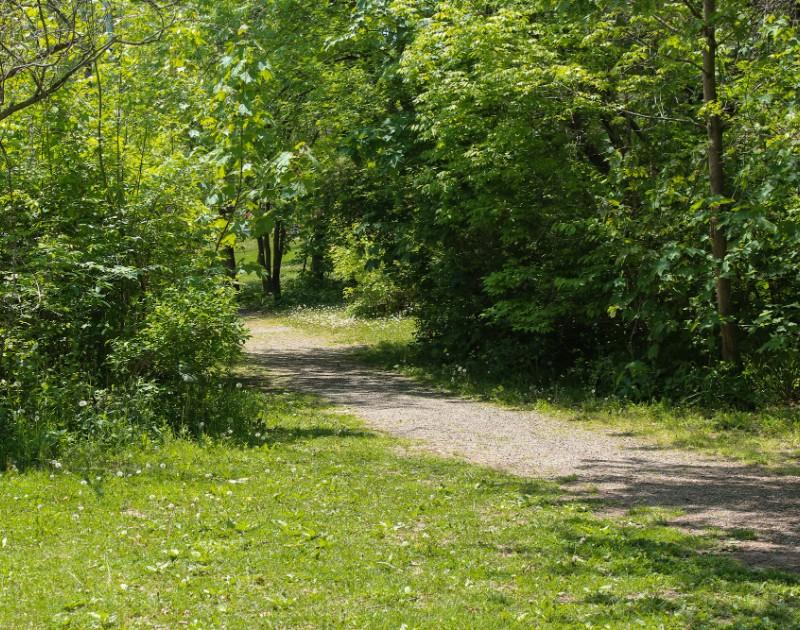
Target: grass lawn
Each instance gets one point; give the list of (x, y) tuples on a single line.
[(313, 522), (298, 289), (768, 437), (336, 325)]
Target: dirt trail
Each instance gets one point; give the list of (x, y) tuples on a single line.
[(619, 471)]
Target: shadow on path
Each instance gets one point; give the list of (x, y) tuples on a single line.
[(760, 513)]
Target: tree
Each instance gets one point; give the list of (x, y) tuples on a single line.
[(566, 170), (719, 242), (45, 43)]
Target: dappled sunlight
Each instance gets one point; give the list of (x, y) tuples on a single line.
[(393, 314), (623, 470)]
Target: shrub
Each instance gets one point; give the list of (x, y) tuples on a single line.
[(370, 287), (190, 335), (112, 317)]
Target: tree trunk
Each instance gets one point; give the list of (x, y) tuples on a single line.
[(719, 242), (318, 265), (278, 248), (230, 264), (318, 247), (265, 260)]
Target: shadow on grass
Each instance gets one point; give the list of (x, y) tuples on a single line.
[(284, 435), (525, 387), (625, 474), (588, 547), (262, 413), (591, 557)]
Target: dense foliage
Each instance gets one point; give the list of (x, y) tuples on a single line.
[(113, 314), (601, 189)]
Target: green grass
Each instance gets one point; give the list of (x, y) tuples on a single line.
[(247, 251), (311, 521), (768, 437), (336, 325), (299, 289)]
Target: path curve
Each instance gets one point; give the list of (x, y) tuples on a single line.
[(620, 471)]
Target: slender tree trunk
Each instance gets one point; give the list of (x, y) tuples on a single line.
[(318, 247), (265, 260), (230, 264), (719, 242), (101, 162), (317, 265), (278, 247)]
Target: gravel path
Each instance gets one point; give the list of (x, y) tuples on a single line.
[(617, 471)]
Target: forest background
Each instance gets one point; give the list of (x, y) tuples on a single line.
[(602, 193)]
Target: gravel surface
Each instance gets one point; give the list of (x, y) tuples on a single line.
[(616, 471)]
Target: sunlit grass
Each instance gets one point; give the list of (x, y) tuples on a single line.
[(309, 520), (336, 325), (247, 257), (769, 437)]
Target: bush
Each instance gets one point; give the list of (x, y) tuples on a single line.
[(189, 335), (370, 288), (112, 317)]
